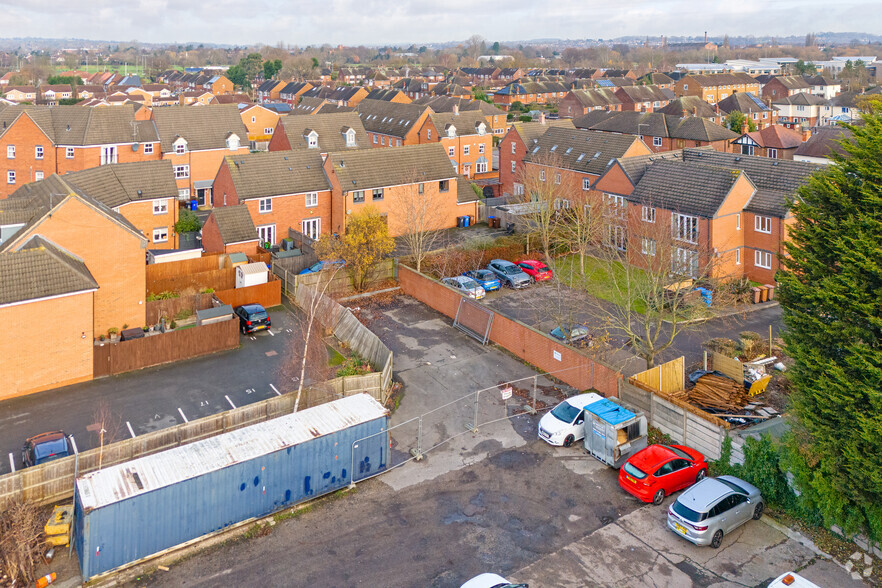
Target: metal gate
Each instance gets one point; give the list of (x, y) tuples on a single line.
[(474, 320)]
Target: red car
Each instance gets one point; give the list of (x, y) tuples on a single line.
[(654, 472), (535, 269)]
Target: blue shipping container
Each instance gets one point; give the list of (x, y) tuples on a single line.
[(130, 511)]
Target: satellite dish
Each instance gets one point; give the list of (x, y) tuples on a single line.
[(134, 146)]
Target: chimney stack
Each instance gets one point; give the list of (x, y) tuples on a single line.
[(694, 111), (806, 134), (455, 109), (744, 127), (541, 118), (685, 114)]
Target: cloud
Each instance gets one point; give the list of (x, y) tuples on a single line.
[(378, 22)]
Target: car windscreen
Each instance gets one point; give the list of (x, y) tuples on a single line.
[(541, 267), (470, 284), (678, 452), (48, 448), (565, 412), (634, 471), (512, 270), (257, 316), (687, 513), (485, 275), (734, 486)]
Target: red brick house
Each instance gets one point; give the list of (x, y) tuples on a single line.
[(513, 147), (663, 132), (774, 141)]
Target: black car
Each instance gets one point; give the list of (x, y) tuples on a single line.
[(45, 447), (253, 317)]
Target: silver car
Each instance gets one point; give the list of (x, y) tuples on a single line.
[(713, 507), (509, 273), (466, 286)]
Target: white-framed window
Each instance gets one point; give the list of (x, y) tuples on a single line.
[(481, 148), (647, 214), (738, 221), (312, 227), (383, 141), (480, 168), (253, 119), (10, 152), (541, 175), (586, 184), (647, 246), (747, 150), (265, 205), (311, 199), (465, 149), (428, 134), (762, 259), (656, 141), (773, 153), (38, 152), (514, 166), (557, 178), (148, 148), (762, 224), (377, 194), (358, 196), (397, 142), (183, 193), (266, 234), (513, 147), (350, 138), (160, 235), (451, 151), (614, 205), (182, 172), (685, 262), (160, 206), (10, 177), (738, 257), (375, 139), (616, 237), (69, 153), (421, 188), (685, 227), (38, 176), (519, 189), (312, 140), (180, 148), (108, 155), (267, 130)]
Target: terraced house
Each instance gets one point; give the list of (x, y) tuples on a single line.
[(338, 131), (396, 125), (36, 142), (514, 146), (663, 132), (715, 87), (467, 140), (530, 93)]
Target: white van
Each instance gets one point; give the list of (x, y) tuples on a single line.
[(564, 424)]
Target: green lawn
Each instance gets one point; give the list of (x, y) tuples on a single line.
[(598, 280), (334, 357)]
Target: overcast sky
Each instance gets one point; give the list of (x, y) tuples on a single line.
[(376, 22)]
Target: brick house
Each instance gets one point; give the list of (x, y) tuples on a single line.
[(802, 110), (783, 86), (386, 178), (396, 125), (20, 94), (339, 131), (40, 141), (51, 94), (261, 124), (229, 229), (715, 87), (467, 141), (280, 190), (663, 132), (580, 102), (291, 92), (693, 106), (513, 147), (196, 140), (269, 90), (776, 142), (144, 193), (219, 85), (527, 92), (496, 118), (762, 114), (389, 95), (643, 98)]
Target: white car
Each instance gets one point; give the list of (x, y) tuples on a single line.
[(491, 581), (565, 423)]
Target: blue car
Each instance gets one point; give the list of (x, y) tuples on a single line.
[(485, 278), (320, 265)]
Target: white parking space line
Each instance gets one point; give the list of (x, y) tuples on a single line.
[(276, 390), (270, 332), (12, 462), (230, 401), (74, 443), (183, 416), (131, 431)]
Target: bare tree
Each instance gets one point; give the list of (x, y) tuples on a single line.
[(579, 229), (548, 188), (107, 427), (421, 217)]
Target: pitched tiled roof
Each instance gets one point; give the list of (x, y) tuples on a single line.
[(691, 105), (307, 105), (235, 224), (823, 141), (634, 167), (386, 94), (115, 185), (588, 120), (39, 269), (793, 82), (330, 108), (777, 137), (801, 99), (722, 79), (389, 118), (596, 97), (776, 180), (378, 168), (531, 131), (743, 102), (446, 104), (330, 129), (276, 173), (655, 124), (464, 191), (645, 93), (580, 150), (466, 123), (206, 127), (686, 188), (73, 125)]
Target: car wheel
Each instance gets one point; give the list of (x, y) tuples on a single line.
[(717, 539), (702, 474), (569, 440), (659, 497), (758, 511)]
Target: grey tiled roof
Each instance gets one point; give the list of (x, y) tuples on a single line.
[(580, 150), (330, 129), (378, 168), (466, 123), (39, 269), (823, 141), (446, 104), (531, 131), (686, 188), (634, 167), (596, 97), (464, 191), (258, 175), (801, 99), (743, 102), (235, 224), (655, 124), (389, 118), (75, 125), (206, 127), (588, 120), (690, 105)]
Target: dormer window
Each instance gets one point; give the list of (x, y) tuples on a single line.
[(312, 140), (482, 128), (233, 142), (180, 146), (350, 138), (451, 131)]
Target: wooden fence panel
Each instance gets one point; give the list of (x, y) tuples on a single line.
[(266, 295), (668, 377), (729, 366), (219, 279), (125, 356), (156, 309), (163, 271)]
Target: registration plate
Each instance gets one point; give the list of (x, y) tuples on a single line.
[(259, 327), (680, 528), (630, 479)]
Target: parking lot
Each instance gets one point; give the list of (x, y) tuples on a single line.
[(154, 398)]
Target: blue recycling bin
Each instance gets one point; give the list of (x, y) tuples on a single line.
[(193, 204), (465, 221)]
